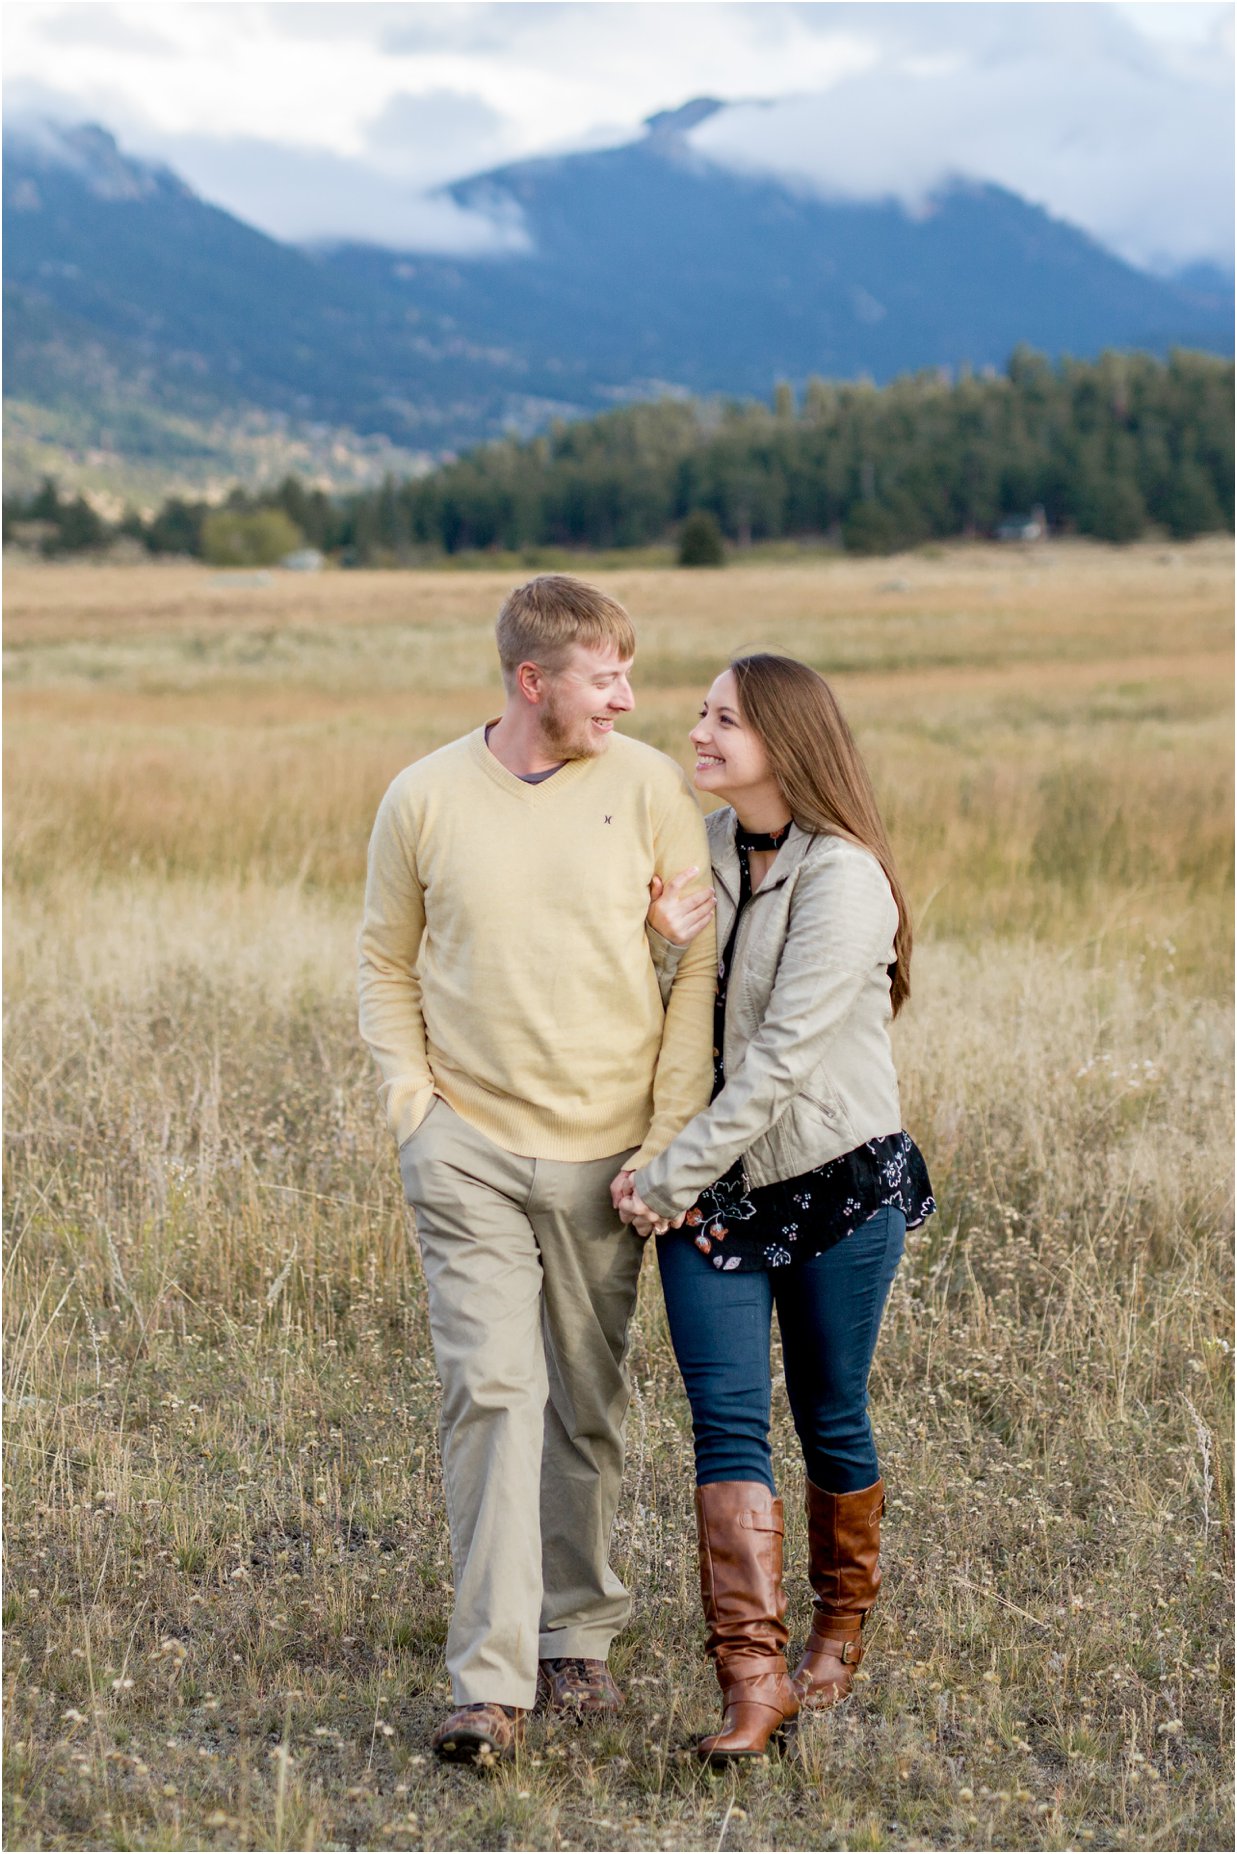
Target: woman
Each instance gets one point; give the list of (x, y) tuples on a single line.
[(794, 1189)]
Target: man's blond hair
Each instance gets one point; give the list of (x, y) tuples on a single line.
[(541, 621)]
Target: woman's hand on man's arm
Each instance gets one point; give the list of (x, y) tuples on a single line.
[(678, 917)]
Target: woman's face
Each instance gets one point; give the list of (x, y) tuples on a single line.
[(730, 757)]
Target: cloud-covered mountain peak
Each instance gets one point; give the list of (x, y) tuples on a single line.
[(89, 152), (687, 116), (1127, 150)]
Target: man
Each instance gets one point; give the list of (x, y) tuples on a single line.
[(510, 999)]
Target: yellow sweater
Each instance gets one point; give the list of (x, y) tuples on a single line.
[(503, 957)]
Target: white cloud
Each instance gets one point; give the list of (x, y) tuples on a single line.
[(436, 135), (1117, 116), (1094, 127), (311, 194)]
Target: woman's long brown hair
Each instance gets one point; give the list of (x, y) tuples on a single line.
[(813, 757)]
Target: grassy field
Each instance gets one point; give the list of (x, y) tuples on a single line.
[(227, 1570)]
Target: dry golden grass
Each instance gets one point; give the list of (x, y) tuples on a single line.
[(1003, 697), (227, 1567)]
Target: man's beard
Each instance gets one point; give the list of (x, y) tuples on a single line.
[(566, 739)]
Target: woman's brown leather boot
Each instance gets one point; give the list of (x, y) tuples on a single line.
[(739, 1529), (844, 1571)]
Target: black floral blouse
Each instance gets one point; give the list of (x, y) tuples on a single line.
[(742, 1227)]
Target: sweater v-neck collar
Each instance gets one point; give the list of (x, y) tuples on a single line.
[(510, 782)]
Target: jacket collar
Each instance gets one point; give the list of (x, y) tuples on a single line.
[(725, 857)]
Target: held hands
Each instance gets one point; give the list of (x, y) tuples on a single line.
[(635, 1212), (675, 916)]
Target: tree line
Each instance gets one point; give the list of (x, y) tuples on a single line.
[(1110, 448)]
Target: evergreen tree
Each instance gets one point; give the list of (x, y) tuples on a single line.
[(44, 505), (1106, 447), (177, 528), (1191, 505), (1110, 508), (700, 541), (78, 529)]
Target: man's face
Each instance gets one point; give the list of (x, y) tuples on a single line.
[(582, 702)]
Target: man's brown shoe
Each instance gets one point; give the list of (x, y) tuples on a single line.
[(572, 1683), (479, 1733)]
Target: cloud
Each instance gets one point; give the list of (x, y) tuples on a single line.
[(29, 102), (296, 194), (314, 119), (105, 27), (437, 135), (340, 153), (310, 194), (1091, 124), (461, 28)]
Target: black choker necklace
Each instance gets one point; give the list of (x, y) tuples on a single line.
[(761, 839)]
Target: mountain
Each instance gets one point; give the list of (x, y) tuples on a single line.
[(1208, 284), (143, 323), (651, 264), (136, 311)]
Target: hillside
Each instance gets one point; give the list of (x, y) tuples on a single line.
[(652, 266), (147, 331)]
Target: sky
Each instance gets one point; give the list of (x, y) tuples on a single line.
[(330, 120)]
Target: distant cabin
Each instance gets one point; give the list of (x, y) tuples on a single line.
[(1032, 527), (304, 560)]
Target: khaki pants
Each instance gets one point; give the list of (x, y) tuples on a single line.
[(532, 1283)]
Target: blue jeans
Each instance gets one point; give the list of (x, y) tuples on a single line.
[(829, 1310)]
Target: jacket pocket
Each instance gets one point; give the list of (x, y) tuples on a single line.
[(821, 1093), (807, 1134)]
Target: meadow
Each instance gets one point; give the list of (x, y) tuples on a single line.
[(227, 1568)]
